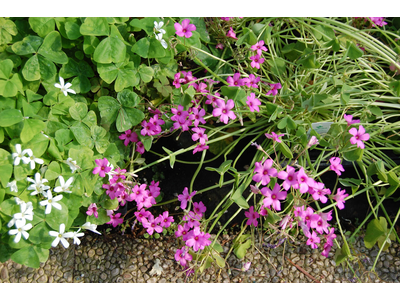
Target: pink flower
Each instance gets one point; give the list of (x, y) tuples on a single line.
[(198, 240), (200, 147), (139, 192), (142, 215), (224, 110), (264, 172), (179, 113), (358, 136), (274, 88), (319, 192), (199, 208), (140, 147), (336, 166), (349, 119), (231, 33), (148, 128), (252, 81), (219, 46), (273, 197), (256, 61), (199, 135), (309, 217), (252, 215), (275, 137), (101, 168), (197, 116), (115, 220), (129, 136), (259, 47), (152, 225), (92, 210), (339, 197), (378, 21), (165, 220), (289, 177), (182, 256), (154, 190), (253, 102), (313, 141), (330, 236), (185, 197), (235, 81), (286, 221), (313, 240), (213, 99), (304, 181), (183, 231), (185, 29), (192, 219), (178, 80)]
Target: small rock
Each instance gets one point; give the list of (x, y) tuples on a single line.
[(91, 253), (115, 272), (127, 276), (42, 279), (103, 276), (4, 274), (99, 251), (152, 280)]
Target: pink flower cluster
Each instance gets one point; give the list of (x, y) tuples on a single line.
[(309, 220), (190, 231), (154, 224), (131, 136), (183, 77), (250, 81)]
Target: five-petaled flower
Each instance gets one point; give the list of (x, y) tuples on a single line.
[(60, 236), (224, 110), (13, 186), (252, 215), (274, 88), (51, 202), (259, 47), (335, 165), (185, 29), (358, 136), (65, 88), (253, 102), (19, 154), (275, 137), (21, 230), (64, 186), (231, 33), (101, 168)]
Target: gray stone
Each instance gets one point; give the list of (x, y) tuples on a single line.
[(115, 272)]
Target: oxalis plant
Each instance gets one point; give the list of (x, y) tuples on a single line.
[(82, 99)]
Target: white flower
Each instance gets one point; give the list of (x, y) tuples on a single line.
[(31, 159), (38, 187), (21, 230), (51, 202), (72, 164), (64, 186), (91, 227), (19, 154), (64, 87), (25, 214), (13, 186), (19, 201), (162, 41), (74, 235), (157, 27), (60, 236)]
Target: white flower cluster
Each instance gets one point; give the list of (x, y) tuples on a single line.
[(19, 220), (157, 28), (30, 159), (62, 236)]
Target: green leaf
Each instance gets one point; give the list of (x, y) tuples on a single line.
[(219, 260), (89, 44), (53, 171), (149, 48), (163, 86), (42, 26), (83, 157), (171, 157), (95, 26), (51, 48), (72, 30), (98, 134), (353, 155), (82, 135), (7, 29), (31, 128), (28, 45), (109, 50), (334, 43), (38, 144), (238, 198), (285, 150), (57, 217), (375, 229), (10, 117), (248, 37), (146, 73), (78, 111), (10, 88), (271, 218), (26, 256), (395, 87), (278, 66), (5, 174), (309, 61), (108, 107), (127, 118), (6, 67), (241, 249), (39, 234), (353, 51), (237, 94)]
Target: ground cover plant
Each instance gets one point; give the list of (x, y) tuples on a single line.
[(83, 100)]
